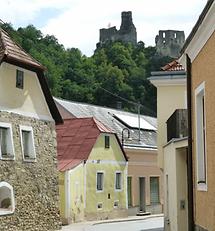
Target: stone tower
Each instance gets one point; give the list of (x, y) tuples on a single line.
[(126, 33), (169, 42)]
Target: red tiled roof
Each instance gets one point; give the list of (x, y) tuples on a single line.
[(76, 138), (13, 52), (173, 66)]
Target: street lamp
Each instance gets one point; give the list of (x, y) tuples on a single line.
[(128, 134)]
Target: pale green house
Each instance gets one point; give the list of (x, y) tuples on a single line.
[(93, 171)]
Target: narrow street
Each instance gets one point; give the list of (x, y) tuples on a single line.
[(148, 224)]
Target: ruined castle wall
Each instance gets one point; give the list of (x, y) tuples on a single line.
[(169, 42)]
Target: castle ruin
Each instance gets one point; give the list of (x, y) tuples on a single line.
[(126, 33), (169, 42)]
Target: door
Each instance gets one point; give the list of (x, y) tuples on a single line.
[(142, 194)]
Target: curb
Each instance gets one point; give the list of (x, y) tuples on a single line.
[(129, 219)]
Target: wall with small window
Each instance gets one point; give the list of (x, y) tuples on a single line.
[(28, 159), (25, 95)]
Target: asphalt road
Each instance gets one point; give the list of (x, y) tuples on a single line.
[(152, 224)]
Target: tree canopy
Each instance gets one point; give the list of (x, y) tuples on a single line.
[(115, 72)]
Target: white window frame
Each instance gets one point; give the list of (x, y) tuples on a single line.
[(200, 139), (8, 211), (121, 182), (9, 141), (33, 152), (102, 181)]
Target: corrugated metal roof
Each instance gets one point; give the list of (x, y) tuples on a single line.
[(12, 51), (106, 116)]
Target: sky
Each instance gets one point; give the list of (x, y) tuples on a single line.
[(76, 23)]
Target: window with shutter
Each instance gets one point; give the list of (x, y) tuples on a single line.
[(154, 190)]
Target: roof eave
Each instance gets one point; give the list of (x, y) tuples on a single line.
[(196, 26)]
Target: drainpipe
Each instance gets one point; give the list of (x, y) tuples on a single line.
[(189, 154)]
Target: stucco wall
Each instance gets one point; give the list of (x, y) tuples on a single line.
[(28, 101), (111, 160), (35, 184), (203, 69), (143, 163), (169, 98)]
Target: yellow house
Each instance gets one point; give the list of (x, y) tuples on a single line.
[(93, 171), (199, 59), (144, 179), (172, 143)]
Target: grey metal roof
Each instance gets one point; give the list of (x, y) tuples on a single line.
[(107, 117)]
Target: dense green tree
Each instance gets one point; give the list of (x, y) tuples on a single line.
[(115, 72)]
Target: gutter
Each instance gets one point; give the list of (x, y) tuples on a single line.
[(190, 151)]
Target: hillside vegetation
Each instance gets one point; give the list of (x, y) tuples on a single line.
[(115, 69)]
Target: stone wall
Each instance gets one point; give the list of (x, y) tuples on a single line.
[(169, 42), (35, 184)]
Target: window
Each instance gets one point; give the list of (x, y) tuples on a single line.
[(100, 181), (118, 181), (99, 206), (27, 142), (154, 190), (7, 202), (6, 141), (107, 141), (116, 204), (19, 79), (200, 137)]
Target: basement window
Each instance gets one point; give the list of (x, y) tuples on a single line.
[(99, 206), (6, 142), (19, 79), (27, 143), (116, 204), (7, 201), (200, 123)]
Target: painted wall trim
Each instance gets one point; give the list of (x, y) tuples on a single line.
[(27, 114)]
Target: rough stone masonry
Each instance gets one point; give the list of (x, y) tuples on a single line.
[(35, 184)]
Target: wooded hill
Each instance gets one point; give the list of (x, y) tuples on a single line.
[(115, 69)]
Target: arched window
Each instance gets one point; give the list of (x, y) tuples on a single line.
[(7, 202)]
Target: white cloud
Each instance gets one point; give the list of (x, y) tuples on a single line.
[(79, 23)]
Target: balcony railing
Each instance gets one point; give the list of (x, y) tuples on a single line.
[(177, 125)]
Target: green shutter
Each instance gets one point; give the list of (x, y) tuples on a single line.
[(154, 190)]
